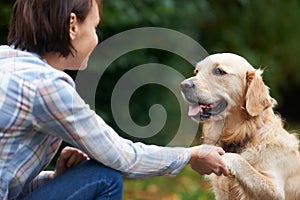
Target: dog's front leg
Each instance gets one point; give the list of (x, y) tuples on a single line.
[(261, 185)]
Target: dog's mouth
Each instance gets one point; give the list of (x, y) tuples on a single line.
[(201, 111)]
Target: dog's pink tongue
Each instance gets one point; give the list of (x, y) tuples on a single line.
[(194, 110)]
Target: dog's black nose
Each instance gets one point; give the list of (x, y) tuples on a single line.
[(186, 84)]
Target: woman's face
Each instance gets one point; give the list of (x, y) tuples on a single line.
[(84, 38)]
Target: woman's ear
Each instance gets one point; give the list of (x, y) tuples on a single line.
[(73, 26), (257, 95)]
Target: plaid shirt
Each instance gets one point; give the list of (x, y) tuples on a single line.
[(39, 108)]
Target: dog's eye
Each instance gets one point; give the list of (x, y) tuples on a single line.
[(218, 71), (196, 71)]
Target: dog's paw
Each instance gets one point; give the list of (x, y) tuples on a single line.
[(233, 162)]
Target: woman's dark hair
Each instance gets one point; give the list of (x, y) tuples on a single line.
[(42, 26)]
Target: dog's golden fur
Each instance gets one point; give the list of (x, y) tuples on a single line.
[(263, 157)]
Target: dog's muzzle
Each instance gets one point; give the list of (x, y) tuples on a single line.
[(199, 109)]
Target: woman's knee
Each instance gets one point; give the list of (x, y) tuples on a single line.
[(113, 181), (116, 182), (88, 180)]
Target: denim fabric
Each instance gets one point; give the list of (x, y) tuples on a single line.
[(89, 180)]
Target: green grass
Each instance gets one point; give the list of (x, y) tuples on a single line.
[(187, 185)]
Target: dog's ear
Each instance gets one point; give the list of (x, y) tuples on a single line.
[(257, 95)]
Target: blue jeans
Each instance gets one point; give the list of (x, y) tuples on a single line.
[(89, 180)]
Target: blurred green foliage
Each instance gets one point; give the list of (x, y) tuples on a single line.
[(267, 33), (5, 13)]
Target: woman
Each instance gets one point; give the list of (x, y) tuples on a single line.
[(40, 108)]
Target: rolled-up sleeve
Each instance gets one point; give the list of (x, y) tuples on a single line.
[(60, 111)]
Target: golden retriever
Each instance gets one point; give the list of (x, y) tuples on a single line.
[(229, 96)]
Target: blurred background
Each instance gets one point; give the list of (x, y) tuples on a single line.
[(266, 33)]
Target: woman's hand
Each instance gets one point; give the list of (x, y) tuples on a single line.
[(206, 159), (68, 158)]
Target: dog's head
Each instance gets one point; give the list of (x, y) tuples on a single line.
[(222, 83)]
